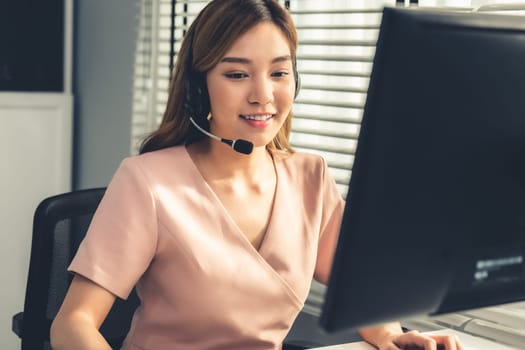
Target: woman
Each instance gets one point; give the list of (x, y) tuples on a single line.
[(221, 244)]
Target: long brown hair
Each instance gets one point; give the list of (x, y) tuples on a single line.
[(210, 35)]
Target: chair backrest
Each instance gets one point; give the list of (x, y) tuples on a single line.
[(60, 224)]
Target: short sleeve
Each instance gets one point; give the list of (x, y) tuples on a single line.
[(332, 212), (122, 238)]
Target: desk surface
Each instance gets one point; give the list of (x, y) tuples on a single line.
[(469, 343)]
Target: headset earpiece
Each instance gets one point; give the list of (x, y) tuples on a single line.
[(196, 99)]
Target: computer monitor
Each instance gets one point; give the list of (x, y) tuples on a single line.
[(435, 214)]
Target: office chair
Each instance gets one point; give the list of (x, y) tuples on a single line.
[(59, 225)]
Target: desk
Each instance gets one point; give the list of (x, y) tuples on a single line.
[(469, 343)]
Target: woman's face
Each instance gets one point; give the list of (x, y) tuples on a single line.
[(252, 87)]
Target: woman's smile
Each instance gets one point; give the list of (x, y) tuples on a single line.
[(258, 120)]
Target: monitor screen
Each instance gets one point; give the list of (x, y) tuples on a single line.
[(435, 214)]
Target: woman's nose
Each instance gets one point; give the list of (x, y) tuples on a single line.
[(261, 91)]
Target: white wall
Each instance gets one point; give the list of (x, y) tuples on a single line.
[(104, 49)]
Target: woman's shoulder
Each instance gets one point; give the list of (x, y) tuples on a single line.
[(165, 156), (162, 154), (303, 160), (302, 166), (155, 164)]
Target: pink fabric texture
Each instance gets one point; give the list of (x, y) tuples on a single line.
[(201, 282)]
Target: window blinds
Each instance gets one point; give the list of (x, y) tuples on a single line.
[(153, 58), (336, 49)]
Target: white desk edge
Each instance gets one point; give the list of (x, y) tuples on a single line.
[(469, 343)]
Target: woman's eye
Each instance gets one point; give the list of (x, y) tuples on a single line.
[(236, 75), (279, 74)]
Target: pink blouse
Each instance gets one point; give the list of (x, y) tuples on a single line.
[(202, 284)]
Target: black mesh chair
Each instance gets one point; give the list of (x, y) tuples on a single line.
[(59, 225)]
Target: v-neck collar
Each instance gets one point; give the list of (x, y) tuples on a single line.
[(264, 253), (238, 232)]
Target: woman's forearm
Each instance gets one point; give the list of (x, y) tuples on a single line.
[(78, 334)]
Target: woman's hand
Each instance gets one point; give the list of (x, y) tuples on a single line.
[(390, 336), (414, 340)]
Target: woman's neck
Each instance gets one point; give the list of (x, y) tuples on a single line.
[(218, 162)]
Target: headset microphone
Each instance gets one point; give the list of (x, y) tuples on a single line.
[(239, 145)]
